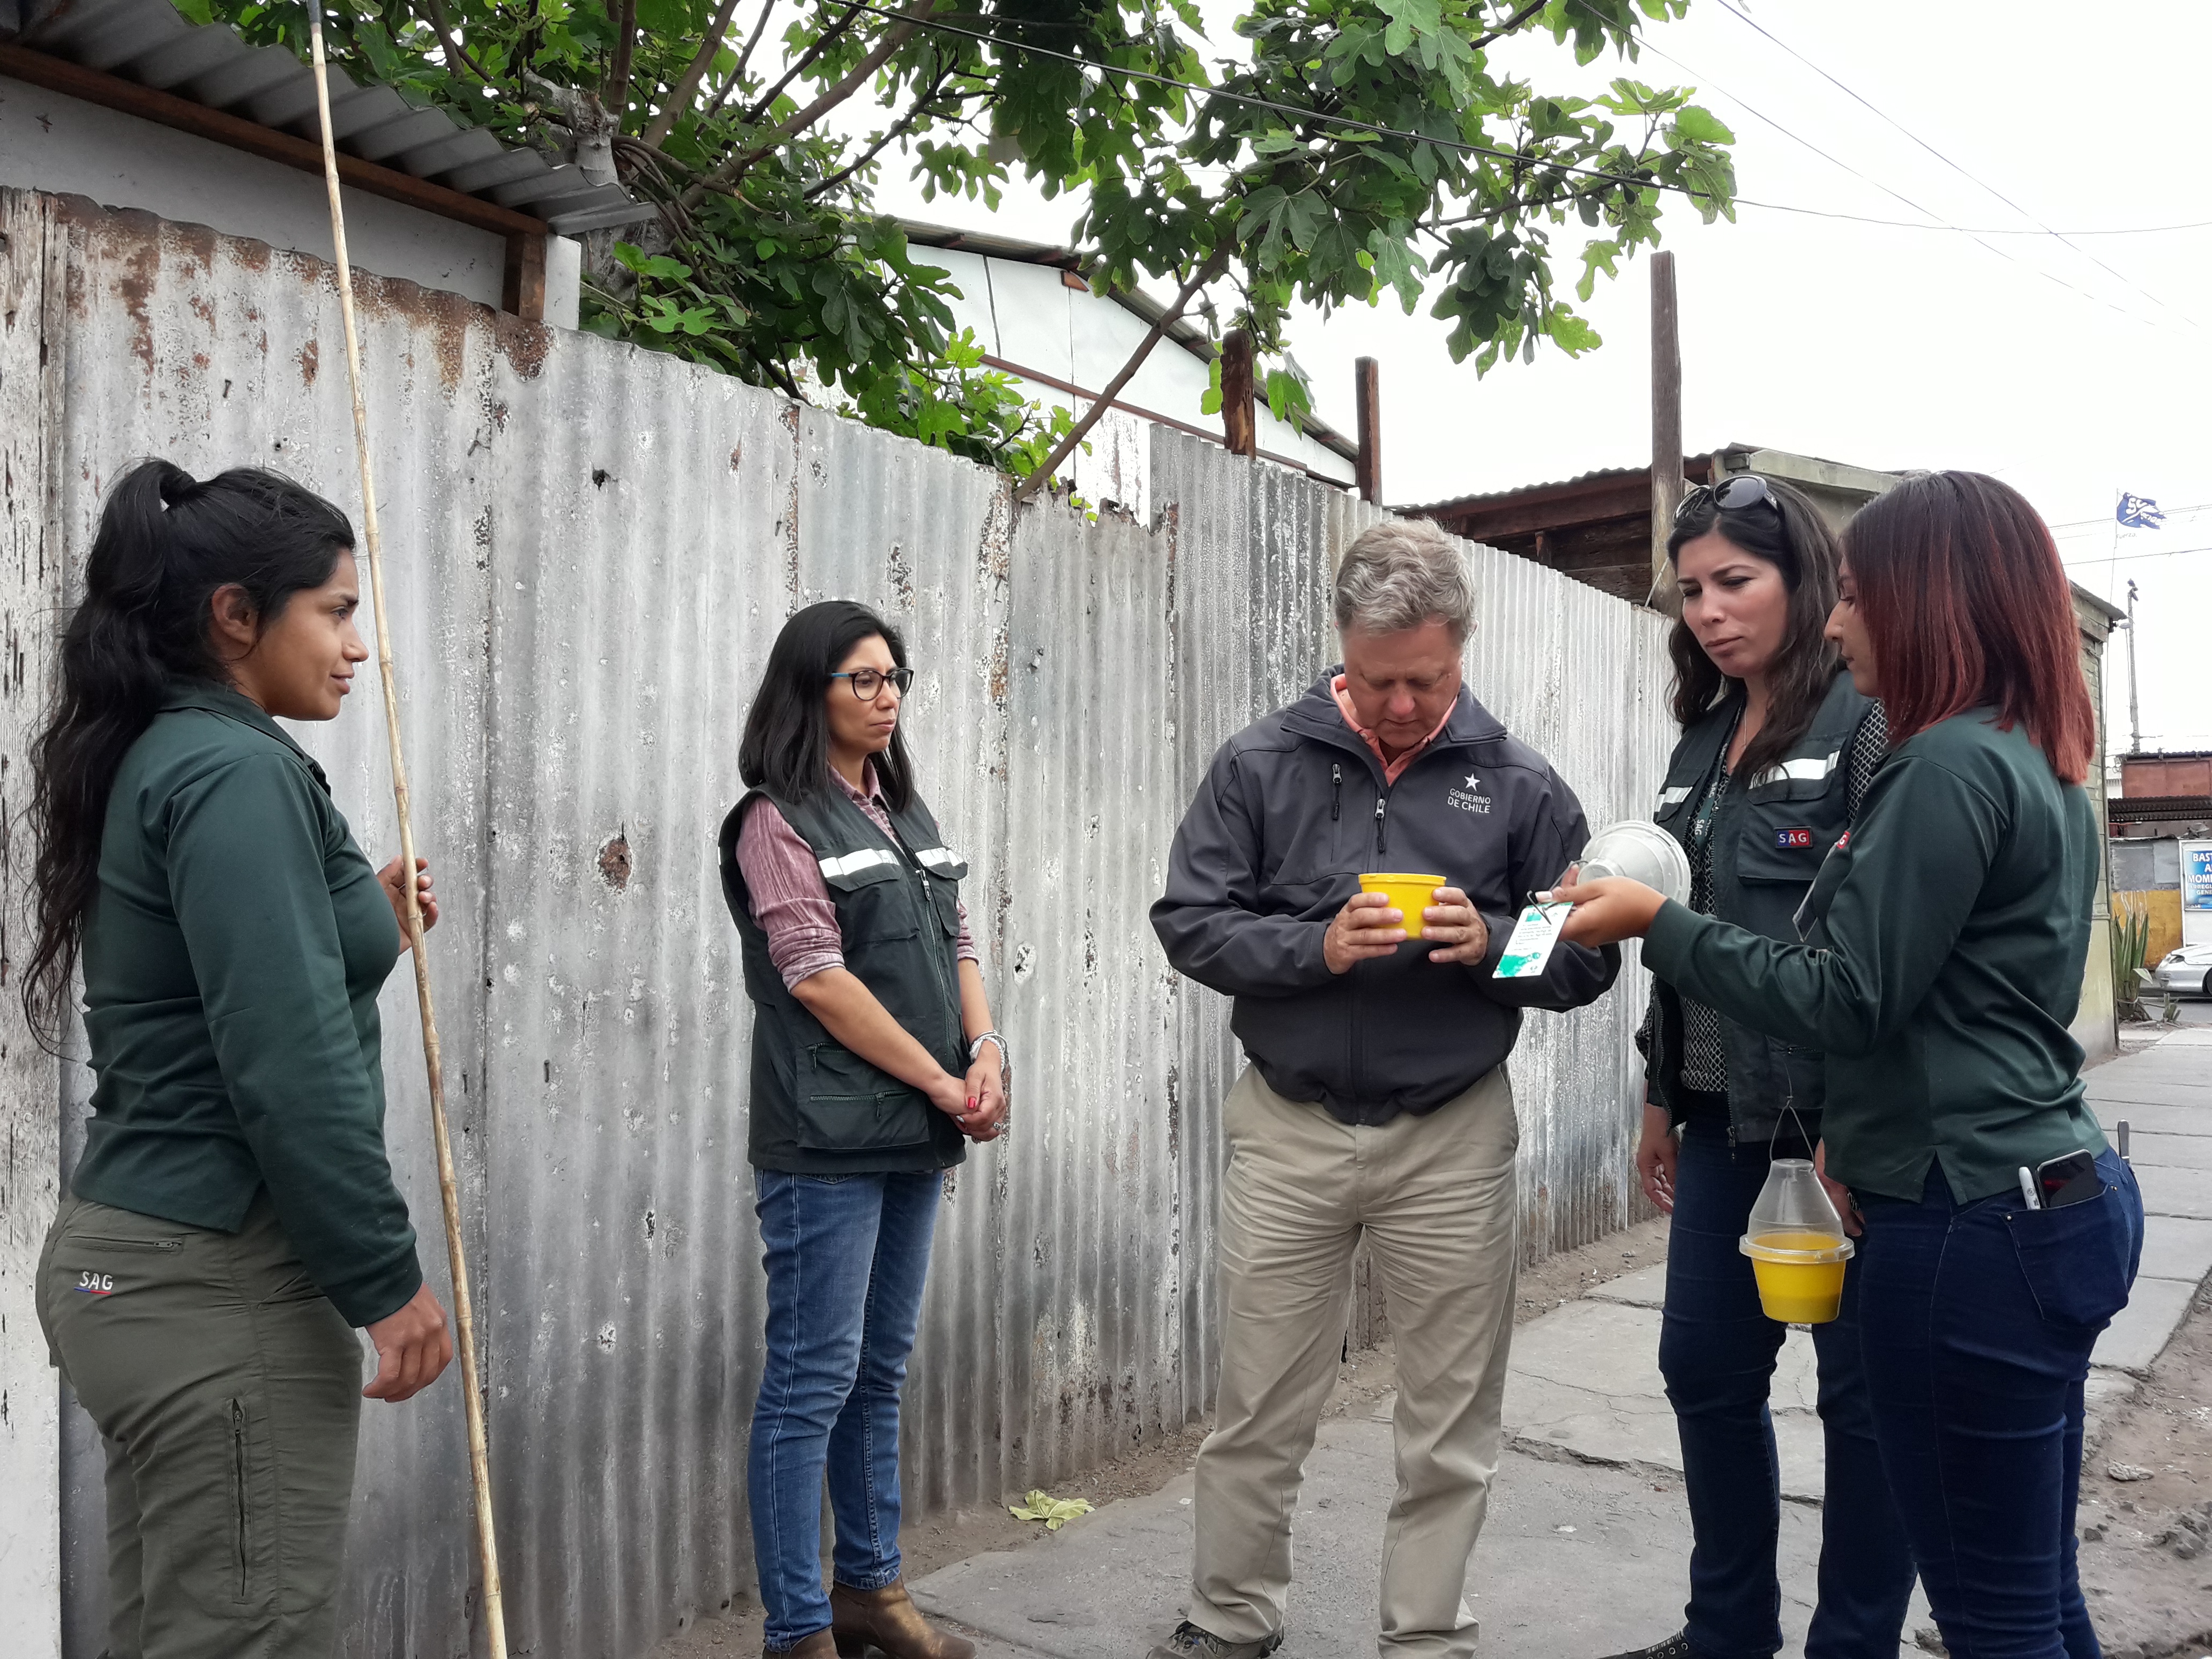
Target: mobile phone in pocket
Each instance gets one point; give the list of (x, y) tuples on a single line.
[(2070, 1179)]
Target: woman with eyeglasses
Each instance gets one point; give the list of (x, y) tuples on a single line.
[(1778, 749), (873, 1060), (1942, 967)]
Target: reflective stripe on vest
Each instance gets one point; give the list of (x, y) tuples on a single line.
[(852, 863), (1673, 796), (938, 858), (1798, 771)]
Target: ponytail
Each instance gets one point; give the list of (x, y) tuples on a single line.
[(165, 544)]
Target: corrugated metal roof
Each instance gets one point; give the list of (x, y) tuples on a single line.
[(145, 41), (1603, 475), (1733, 456), (2158, 808)]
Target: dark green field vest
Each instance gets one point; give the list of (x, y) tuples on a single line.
[(817, 1107), (1769, 838)]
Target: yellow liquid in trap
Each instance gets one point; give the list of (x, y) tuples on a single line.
[(1799, 1292)]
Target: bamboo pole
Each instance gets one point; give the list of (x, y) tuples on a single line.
[(449, 1193)]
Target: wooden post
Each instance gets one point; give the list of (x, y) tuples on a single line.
[(1240, 419), (1367, 379), (523, 284), (1667, 481)]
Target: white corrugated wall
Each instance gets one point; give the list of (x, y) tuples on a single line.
[(590, 548)]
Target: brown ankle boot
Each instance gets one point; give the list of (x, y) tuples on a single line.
[(888, 1619), (820, 1646)]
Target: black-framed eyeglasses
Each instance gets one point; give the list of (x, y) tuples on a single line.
[(1746, 489), (867, 682)]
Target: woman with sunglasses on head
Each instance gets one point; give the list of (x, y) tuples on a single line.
[(1999, 1233), (232, 1221), (873, 1056), (1777, 751)]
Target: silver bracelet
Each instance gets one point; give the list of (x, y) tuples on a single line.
[(976, 1051)]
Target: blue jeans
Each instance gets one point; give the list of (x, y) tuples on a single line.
[(847, 1257), (1718, 1352), (1978, 1320)]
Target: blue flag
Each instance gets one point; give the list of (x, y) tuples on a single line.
[(2139, 513)]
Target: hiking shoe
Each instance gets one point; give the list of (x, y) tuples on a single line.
[(1189, 1642), (1676, 1646)]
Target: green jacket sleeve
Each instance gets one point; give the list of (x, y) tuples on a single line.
[(246, 859), (1919, 855)]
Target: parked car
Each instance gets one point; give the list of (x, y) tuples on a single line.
[(2187, 971)]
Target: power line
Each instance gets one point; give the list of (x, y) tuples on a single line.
[(1976, 231), (2106, 518), (1729, 6), (1940, 223), (2138, 230), (2130, 558), (1705, 81), (1462, 147)]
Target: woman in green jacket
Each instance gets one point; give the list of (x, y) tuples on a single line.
[(234, 1217), (2000, 1234), (1777, 752)]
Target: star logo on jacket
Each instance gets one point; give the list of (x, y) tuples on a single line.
[(1466, 800)]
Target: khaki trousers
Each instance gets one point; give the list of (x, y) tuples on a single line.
[(227, 1390), (1434, 1198)]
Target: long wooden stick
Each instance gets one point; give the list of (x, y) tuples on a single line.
[(448, 1191)]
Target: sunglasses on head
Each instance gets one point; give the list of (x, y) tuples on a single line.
[(1747, 489)]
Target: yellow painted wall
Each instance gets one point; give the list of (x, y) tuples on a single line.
[(2163, 906), (2095, 1021)]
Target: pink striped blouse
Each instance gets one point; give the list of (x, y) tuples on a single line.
[(790, 900)]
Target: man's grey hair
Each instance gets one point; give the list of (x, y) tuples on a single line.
[(1402, 574)]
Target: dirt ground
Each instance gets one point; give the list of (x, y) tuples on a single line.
[(937, 1540), (2146, 1539)]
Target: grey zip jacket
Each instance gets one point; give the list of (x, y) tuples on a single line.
[(1292, 810)]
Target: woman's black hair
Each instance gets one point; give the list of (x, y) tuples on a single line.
[(165, 544), (785, 749), (1797, 542)]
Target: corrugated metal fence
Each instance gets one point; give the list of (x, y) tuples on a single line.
[(591, 548)]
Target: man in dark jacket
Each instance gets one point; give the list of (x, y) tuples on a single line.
[(1377, 1102)]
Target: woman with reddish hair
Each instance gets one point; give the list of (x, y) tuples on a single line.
[(1941, 968)]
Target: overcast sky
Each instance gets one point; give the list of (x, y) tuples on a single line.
[(2016, 355)]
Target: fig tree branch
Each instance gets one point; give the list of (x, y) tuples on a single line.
[(687, 84), (861, 74)]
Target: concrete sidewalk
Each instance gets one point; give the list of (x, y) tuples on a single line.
[(1587, 1546), (1584, 1379)]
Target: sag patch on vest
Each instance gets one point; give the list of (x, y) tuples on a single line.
[(1787, 839)]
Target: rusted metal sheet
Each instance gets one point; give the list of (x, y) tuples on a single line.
[(212, 351), (30, 1079), (591, 548)]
